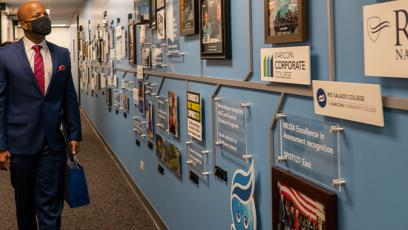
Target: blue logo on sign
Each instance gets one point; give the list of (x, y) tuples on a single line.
[(321, 98)]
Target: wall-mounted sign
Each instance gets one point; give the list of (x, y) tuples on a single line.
[(386, 39), (310, 147), (243, 210), (140, 72), (231, 128), (286, 65), (351, 101), (197, 159), (194, 120), (162, 116)]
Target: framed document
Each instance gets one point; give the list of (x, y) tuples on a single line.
[(161, 24), (188, 17), (146, 57), (173, 114), (285, 21), (132, 42), (298, 204), (215, 31)]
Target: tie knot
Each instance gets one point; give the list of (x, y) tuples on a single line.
[(37, 48)]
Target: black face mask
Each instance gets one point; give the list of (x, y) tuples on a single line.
[(41, 26)]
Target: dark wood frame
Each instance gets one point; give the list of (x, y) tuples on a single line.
[(326, 198), (226, 33), (152, 17), (132, 43), (195, 29), (287, 38)]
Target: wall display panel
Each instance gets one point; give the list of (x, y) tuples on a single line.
[(189, 17), (157, 55), (197, 160), (161, 24), (139, 127), (285, 21), (125, 103), (146, 60), (194, 115), (141, 91), (300, 204), (139, 72), (243, 210), (311, 148), (135, 96), (109, 97), (132, 43), (116, 101), (150, 119), (143, 33), (231, 125), (169, 155), (172, 27), (215, 31), (173, 111), (162, 114), (142, 8)]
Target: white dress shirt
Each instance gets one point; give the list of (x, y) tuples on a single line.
[(45, 52)]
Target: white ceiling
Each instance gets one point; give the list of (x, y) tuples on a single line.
[(61, 11)]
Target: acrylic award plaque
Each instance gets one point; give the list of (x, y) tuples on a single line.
[(231, 125), (162, 116), (310, 147), (197, 159)]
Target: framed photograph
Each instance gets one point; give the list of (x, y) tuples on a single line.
[(173, 114), (188, 17), (142, 8), (143, 34), (146, 57), (215, 32), (132, 43), (149, 119), (152, 14), (161, 24), (160, 4), (285, 21), (298, 204), (141, 97)]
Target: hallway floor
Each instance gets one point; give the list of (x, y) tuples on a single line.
[(114, 205)]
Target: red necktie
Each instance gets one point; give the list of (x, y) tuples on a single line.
[(39, 68)]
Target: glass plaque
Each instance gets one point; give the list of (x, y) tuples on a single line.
[(139, 127), (197, 159), (162, 116), (231, 131), (311, 148)]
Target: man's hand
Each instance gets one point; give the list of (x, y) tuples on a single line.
[(5, 158), (74, 147)]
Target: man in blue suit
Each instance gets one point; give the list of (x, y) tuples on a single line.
[(37, 95)]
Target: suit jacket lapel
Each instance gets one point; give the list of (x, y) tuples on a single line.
[(22, 56), (54, 59)]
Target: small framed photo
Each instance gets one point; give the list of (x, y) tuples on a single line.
[(188, 17), (285, 21), (146, 57), (173, 114), (142, 8), (298, 204), (132, 43), (215, 32), (161, 24)]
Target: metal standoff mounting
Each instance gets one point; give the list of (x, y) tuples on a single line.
[(244, 105), (159, 125), (205, 173), (143, 135), (188, 142), (247, 156), (189, 162), (336, 128), (158, 97), (218, 143), (338, 182), (282, 158), (144, 122), (153, 94), (217, 98), (280, 115), (205, 152)]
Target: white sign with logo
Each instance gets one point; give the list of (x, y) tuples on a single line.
[(286, 65), (351, 101), (386, 39)]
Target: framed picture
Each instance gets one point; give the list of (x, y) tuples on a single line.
[(152, 14), (215, 32), (149, 119), (142, 8), (173, 114), (160, 4), (161, 24), (285, 21), (132, 42), (143, 34), (188, 17), (146, 57), (298, 204)]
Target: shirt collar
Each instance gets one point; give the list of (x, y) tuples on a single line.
[(28, 44)]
